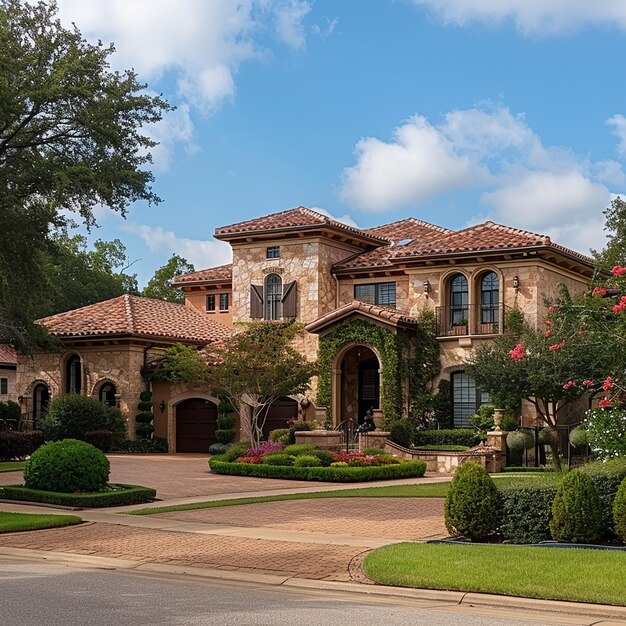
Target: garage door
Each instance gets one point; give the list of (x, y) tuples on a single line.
[(196, 422), (281, 411)]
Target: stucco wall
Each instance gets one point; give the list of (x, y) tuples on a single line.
[(10, 375), (197, 300)]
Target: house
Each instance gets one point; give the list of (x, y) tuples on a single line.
[(8, 366), (360, 293)]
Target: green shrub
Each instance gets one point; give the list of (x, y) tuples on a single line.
[(156, 445), (278, 458), (443, 448), (520, 440), (606, 429), (547, 437), (67, 466), (401, 432), (71, 415), (225, 436), (114, 495), (306, 460), (16, 444), (325, 457), (619, 512), (144, 430), (145, 406), (409, 469), (607, 478), (280, 435), (217, 448), (578, 437), (144, 417), (145, 396), (225, 422), (372, 451), (452, 437), (576, 515), (473, 505), (338, 464), (509, 422), (10, 412), (236, 450), (482, 420), (102, 439), (297, 449), (298, 428)]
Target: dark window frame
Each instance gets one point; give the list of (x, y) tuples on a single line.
[(471, 398), (272, 305), (272, 252), (210, 302), (4, 386), (489, 298), (73, 374), (383, 294), (224, 302), (459, 299)]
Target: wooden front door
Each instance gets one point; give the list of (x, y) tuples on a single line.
[(369, 387), (196, 423)]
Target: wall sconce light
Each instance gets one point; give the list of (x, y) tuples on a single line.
[(162, 406), (426, 285), (516, 283)]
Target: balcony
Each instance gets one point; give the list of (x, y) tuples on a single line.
[(472, 319)]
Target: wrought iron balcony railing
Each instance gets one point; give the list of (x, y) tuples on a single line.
[(471, 319)]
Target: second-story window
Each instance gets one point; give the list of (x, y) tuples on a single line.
[(223, 302), (73, 374), (489, 295), (210, 302), (272, 252), (376, 293), (273, 297), (458, 300)]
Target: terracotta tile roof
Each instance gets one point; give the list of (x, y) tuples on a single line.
[(8, 355), (299, 218), (393, 317), (482, 237), (137, 316), (223, 273), (399, 234)]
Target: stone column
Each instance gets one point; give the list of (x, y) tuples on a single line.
[(497, 439)]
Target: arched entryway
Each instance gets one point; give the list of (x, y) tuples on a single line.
[(196, 423), (279, 413), (359, 386), (41, 399)]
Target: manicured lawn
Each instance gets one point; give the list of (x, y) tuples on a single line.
[(430, 490), (558, 574), (15, 522), (11, 466)]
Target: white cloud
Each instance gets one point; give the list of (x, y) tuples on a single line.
[(175, 127), (419, 162), (200, 44), (326, 29), (618, 122), (343, 219), (201, 253), (531, 17)]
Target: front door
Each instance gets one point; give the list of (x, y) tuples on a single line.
[(369, 387), (196, 422)]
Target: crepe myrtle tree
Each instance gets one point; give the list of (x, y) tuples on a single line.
[(573, 353), (257, 366)]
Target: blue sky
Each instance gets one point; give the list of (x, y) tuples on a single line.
[(452, 111)]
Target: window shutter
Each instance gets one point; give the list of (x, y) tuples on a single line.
[(256, 301), (289, 299)]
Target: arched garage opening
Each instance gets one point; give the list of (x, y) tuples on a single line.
[(196, 423), (279, 413)]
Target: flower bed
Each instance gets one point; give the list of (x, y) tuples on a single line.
[(114, 495)]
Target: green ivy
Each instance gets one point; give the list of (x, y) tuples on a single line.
[(394, 350)]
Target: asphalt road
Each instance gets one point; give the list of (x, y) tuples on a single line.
[(57, 595)]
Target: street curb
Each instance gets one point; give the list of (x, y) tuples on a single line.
[(429, 596)]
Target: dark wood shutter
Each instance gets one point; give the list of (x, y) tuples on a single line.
[(256, 301), (289, 299)]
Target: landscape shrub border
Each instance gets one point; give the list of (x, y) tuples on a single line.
[(128, 494), (410, 469), (16, 444), (450, 437)]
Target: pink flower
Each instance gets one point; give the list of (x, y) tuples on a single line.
[(618, 270), (552, 309), (618, 308), (547, 322), (604, 403), (548, 333), (570, 384), (608, 383), (519, 352), (599, 291), (587, 383), (557, 346)]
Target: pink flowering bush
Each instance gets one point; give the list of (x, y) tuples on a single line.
[(265, 448)]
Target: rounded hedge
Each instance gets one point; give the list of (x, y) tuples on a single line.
[(473, 505), (225, 422), (226, 435), (578, 437), (519, 440), (217, 448), (67, 466), (548, 437), (576, 512), (145, 405), (145, 396), (306, 460), (144, 417), (278, 458), (296, 449), (619, 512)]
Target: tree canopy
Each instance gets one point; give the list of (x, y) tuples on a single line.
[(72, 136), (159, 286), (614, 253)]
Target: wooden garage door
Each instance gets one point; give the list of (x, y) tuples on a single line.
[(281, 411), (196, 422)]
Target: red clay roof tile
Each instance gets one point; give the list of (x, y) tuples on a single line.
[(8, 355), (222, 273)]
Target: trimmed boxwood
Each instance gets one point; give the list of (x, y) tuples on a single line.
[(307, 460), (619, 512), (410, 469), (297, 449), (156, 445), (144, 417), (102, 439), (451, 437), (607, 477), (67, 466), (145, 406), (443, 448), (278, 458), (19, 444), (225, 436), (118, 495)]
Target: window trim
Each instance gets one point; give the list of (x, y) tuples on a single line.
[(224, 296), (377, 288), (4, 386), (73, 374), (480, 398), (270, 250), (210, 298), (272, 298), (490, 311)]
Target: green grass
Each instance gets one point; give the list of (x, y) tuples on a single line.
[(574, 574), (12, 466), (16, 522), (429, 490)]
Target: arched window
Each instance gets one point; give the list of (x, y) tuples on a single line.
[(489, 296), (107, 394), (458, 300), (73, 374), (41, 398), (273, 297)]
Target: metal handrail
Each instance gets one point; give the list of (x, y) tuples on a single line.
[(348, 428)]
